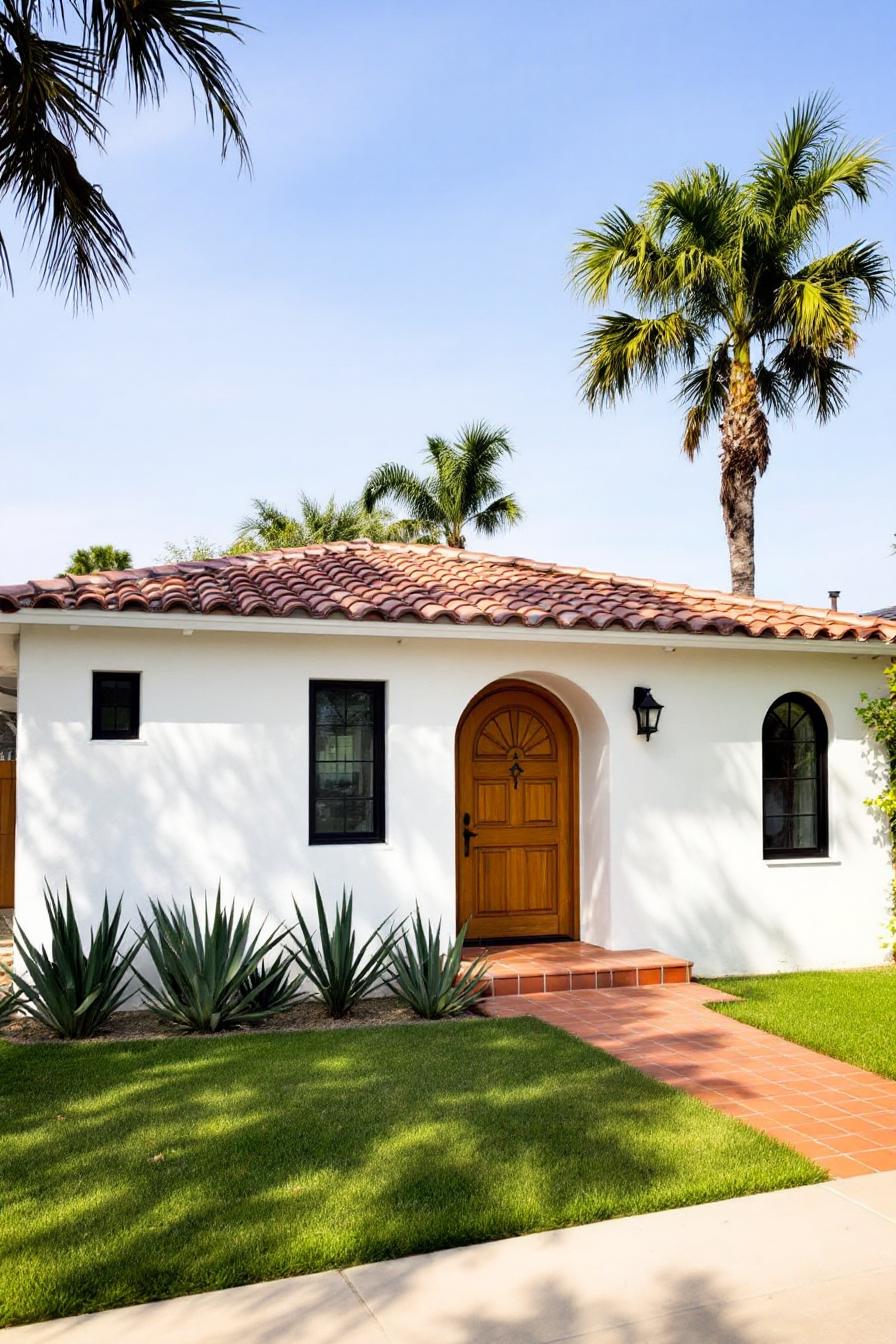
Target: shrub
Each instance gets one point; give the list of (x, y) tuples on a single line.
[(879, 716), (71, 990), (209, 971), (11, 1001), (427, 981), (341, 975)]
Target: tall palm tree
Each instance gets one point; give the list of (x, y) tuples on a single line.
[(729, 289), (461, 490), (52, 93), (268, 528), (94, 559)]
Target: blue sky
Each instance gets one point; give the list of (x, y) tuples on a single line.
[(397, 266)]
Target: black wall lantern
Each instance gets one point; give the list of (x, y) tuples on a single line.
[(647, 712)]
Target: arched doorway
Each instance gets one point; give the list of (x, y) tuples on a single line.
[(517, 815)]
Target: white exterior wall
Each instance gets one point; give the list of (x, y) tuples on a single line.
[(671, 836)]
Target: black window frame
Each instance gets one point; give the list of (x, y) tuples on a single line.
[(377, 692), (98, 732), (821, 849)]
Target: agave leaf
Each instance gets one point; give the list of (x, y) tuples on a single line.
[(341, 975), (71, 990), (207, 967), (430, 982)]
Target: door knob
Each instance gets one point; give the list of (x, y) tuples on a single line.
[(468, 835)]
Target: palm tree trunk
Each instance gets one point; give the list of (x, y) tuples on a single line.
[(744, 456)]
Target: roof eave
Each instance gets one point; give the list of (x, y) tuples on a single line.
[(338, 625)]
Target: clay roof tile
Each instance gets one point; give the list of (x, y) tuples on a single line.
[(392, 581)]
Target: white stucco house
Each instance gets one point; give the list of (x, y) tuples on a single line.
[(457, 729)]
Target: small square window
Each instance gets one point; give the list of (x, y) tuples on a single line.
[(347, 763), (116, 706)]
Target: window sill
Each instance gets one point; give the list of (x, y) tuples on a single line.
[(119, 742), (803, 863)]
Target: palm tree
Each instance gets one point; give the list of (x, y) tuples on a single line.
[(52, 93), (729, 289), (268, 528), (94, 559), (461, 490)]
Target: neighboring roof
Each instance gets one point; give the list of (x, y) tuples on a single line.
[(394, 582), (888, 613)]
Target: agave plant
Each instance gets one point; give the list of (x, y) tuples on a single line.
[(274, 988), (208, 970), (10, 1002), (341, 975), (428, 981), (74, 990)]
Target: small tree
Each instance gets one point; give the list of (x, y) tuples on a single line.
[(727, 286), (95, 559), (268, 528), (462, 488), (879, 716)]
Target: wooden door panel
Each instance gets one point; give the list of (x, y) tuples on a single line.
[(535, 871), (7, 831), (516, 767), (492, 805), (539, 802), (493, 881)]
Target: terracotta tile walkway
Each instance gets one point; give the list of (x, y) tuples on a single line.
[(840, 1116), (539, 968)]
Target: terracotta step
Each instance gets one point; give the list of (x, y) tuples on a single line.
[(547, 968)]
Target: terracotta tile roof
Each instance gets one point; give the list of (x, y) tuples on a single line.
[(394, 582)]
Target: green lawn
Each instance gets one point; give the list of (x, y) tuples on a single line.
[(848, 1014), (145, 1170)]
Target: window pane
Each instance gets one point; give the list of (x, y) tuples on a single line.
[(805, 832), (777, 796), (116, 705), (347, 775), (359, 816), (793, 742), (328, 817), (330, 707), (776, 832), (359, 707)]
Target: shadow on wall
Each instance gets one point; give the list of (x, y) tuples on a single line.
[(189, 806), (727, 915)]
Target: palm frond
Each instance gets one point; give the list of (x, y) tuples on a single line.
[(497, 516), (818, 379), (809, 167), (396, 482), (47, 94), (149, 36), (807, 128), (618, 250), (268, 528), (775, 392), (624, 349), (704, 391)]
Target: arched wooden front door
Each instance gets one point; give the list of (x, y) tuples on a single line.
[(517, 864)]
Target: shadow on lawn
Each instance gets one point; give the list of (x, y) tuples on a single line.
[(141, 1171)]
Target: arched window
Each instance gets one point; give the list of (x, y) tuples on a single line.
[(794, 779)]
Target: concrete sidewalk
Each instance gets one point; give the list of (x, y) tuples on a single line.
[(813, 1264)]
